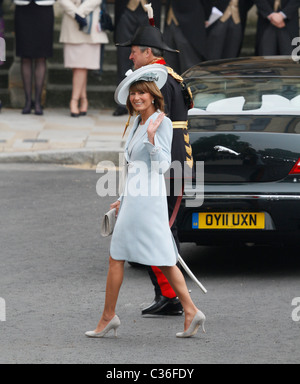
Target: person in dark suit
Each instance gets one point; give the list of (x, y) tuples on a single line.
[(34, 29), (225, 36), (278, 24), (129, 16), (185, 30)]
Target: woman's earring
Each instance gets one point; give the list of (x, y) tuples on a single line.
[(153, 101)]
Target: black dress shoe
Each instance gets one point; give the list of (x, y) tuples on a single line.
[(120, 111), (26, 111), (163, 306), (173, 308), (28, 107), (38, 110)]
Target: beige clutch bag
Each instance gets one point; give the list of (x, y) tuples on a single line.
[(108, 223)]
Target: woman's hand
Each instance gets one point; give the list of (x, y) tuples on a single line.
[(153, 127), (116, 206)]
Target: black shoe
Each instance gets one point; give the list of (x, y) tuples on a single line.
[(120, 111), (38, 110), (26, 111), (28, 107), (163, 306), (173, 308)]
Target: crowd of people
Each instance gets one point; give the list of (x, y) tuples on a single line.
[(207, 29), (200, 29)]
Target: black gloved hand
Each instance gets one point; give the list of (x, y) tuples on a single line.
[(81, 21)]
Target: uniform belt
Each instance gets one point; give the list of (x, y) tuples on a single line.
[(180, 124)]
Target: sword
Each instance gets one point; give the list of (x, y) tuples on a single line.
[(190, 273), (183, 264)]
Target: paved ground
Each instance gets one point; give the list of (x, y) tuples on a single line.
[(54, 264), (53, 275), (55, 137)]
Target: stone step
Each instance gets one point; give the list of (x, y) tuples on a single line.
[(3, 78), (9, 21), (9, 41), (100, 96), (4, 97), (58, 74), (9, 60)]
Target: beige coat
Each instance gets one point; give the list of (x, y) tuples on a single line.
[(70, 32)]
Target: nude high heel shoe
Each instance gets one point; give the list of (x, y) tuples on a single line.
[(113, 325), (197, 322)]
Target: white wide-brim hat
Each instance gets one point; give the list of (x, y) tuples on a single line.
[(154, 72)]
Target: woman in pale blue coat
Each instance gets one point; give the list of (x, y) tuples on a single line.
[(142, 232), (144, 216)]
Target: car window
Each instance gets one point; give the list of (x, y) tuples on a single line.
[(246, 95)]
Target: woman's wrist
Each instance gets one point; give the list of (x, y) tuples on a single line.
[(151, 139)]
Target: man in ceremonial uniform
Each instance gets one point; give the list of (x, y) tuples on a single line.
[(185, 30), (225, 36), (129, 16), (278, 25), (147, 47)]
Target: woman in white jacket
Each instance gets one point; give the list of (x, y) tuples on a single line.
[(82, 37)]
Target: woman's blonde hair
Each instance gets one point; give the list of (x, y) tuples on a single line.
[(147, 87)]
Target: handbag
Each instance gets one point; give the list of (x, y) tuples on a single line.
[(89, 23), (108, 223), (88, 28)]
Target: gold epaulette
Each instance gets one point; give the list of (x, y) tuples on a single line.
[(180, 124), (174, 75), (187, 92)]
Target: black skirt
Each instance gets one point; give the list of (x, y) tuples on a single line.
[(34, 27)]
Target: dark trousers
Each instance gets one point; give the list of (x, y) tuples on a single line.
[(275, 41), (224, 40), (187, 57)]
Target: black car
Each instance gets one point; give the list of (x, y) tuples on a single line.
[(245, 127)]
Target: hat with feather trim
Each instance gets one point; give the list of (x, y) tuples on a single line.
[(156, 73)]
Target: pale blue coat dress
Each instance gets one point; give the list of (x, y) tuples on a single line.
[(142, 233)]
